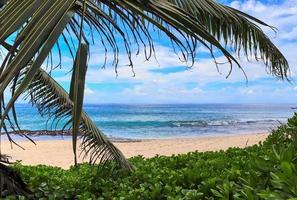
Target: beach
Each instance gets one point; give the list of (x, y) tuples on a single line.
[(59, 152)]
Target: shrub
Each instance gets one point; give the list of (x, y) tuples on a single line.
[(263, 171)]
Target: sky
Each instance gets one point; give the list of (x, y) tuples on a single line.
[(167, 80)]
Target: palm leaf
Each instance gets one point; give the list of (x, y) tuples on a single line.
[(57, 105), (36, 64), (189, 23), (239, 30), (77, 91)]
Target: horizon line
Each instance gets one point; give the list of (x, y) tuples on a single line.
[(178, 103)]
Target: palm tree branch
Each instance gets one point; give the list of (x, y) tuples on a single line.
[(58, 105), (239, 30)]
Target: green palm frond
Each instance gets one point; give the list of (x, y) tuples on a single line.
[(31, 29), (77, 91), (238, 30), (54, 102)]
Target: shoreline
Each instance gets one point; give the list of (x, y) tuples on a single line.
[(59, 152)]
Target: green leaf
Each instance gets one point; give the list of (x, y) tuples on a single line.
[(80, 69), (34, 67)]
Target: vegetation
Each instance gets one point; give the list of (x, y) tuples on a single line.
[(264, 171)]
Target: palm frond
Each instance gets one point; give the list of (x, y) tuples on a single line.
[(188, 24), (239, 30), (77, 92), (56, 104)]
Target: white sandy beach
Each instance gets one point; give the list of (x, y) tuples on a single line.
[(59, 152)]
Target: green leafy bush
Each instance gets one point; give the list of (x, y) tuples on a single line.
[(264, 171)]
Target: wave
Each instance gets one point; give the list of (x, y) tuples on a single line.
[(203, 123), (225, 122), (186, 123)]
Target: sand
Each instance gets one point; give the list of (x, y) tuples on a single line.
[(59, 152)]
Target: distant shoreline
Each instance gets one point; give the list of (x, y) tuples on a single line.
[(59, 133), (41, 132)]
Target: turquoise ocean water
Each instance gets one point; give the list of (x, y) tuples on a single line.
[(171, 121)]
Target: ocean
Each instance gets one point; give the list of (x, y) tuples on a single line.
[(171, 121)]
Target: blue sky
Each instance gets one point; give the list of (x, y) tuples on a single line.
[(167, 80)]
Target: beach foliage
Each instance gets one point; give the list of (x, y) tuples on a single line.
[(264, 171), (35, 34)]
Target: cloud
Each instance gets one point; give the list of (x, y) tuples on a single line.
[(247, 91), (88, 91)]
